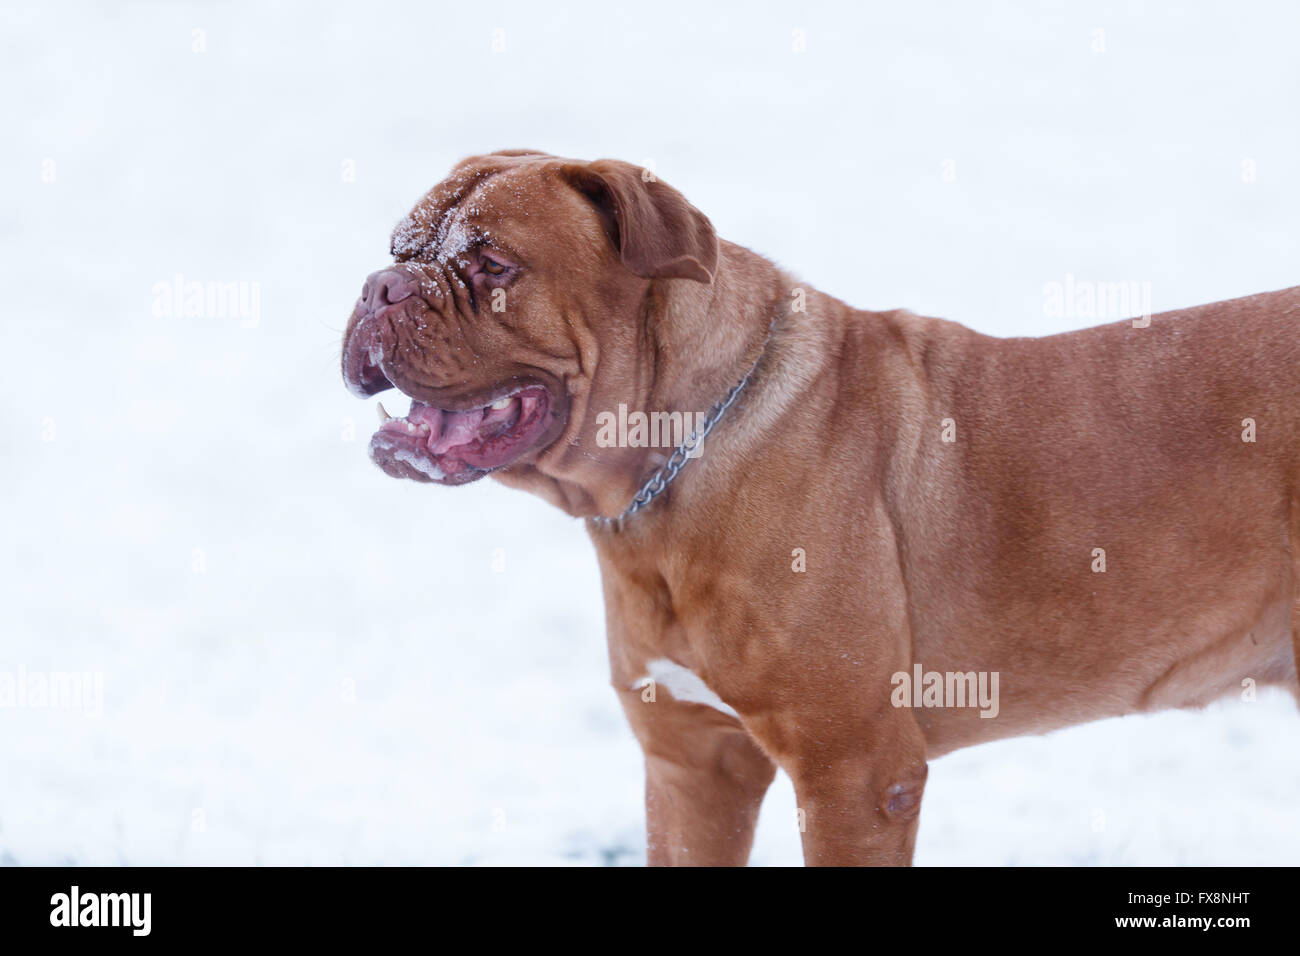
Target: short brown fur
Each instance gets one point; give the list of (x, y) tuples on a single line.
[(969, 555)]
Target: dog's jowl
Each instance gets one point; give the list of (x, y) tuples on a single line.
[(991, 537)]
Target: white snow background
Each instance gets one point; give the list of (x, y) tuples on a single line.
[(305, 661)]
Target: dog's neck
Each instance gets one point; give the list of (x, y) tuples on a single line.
[(693, 343), (706, 337)]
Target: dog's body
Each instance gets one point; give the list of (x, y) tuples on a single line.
[(1103, 519)]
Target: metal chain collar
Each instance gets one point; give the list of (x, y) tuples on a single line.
[(663, 477)]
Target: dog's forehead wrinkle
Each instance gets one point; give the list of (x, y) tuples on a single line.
[(409, 235), (425, 224), (451, 218)]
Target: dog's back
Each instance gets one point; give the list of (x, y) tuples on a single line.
[(1105, 520)]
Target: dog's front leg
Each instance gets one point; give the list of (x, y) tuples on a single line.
[(705, 781), (860, 805)]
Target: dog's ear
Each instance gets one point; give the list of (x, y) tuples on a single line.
[(658, 234)]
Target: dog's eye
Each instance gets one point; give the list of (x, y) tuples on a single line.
[(492, 267)]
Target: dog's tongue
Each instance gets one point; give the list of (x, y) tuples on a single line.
[(453, 446), (452, 428)]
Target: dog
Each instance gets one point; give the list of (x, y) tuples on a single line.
[(863, 517)]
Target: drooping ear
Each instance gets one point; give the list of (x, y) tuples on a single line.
[(658, 234)]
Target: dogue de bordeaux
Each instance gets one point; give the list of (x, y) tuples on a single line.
[(855, 540)]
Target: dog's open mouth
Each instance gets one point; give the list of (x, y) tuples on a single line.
[(451, 435), (454, 446)]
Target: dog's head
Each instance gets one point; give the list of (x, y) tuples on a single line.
[(517, 282)]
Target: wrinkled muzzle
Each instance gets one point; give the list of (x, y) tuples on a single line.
[(405, 333)]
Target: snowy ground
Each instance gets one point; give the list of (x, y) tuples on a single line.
[(306, 662)]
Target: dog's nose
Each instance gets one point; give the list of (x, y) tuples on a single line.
[(364, 348), (386, 287)]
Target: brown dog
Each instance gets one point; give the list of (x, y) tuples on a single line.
[(896, 528)]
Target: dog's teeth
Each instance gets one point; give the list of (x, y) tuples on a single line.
[(424, 429), (501, 403), (410, 428), (383, 413)]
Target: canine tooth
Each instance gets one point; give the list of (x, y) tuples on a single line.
[(501, 403), (383, 414)]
